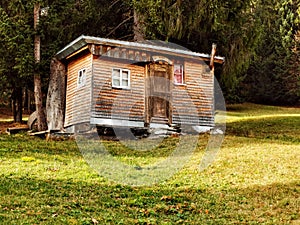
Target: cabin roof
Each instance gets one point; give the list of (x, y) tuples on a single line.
[(147, 45)]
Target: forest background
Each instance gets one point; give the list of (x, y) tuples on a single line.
[(260, 40)]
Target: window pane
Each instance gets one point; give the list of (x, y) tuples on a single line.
[(116, 82), (125, 83), (116, 74), (83, 76), (125, 74), (178, 69), (80, 77), (178, 79), (178, 74)]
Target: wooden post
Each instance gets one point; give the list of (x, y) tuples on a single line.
[(41, 122), (212, 56)]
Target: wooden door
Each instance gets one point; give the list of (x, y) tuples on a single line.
[(159, 110)]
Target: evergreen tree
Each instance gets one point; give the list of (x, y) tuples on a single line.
[(233, 25), (16, 60), (256, 33), (273, 77), (65, 21)]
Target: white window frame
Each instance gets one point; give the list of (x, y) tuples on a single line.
[(181, 67), (81, 78), (120, 78)]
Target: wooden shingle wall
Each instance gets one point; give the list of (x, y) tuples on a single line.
[(116, 103), (78, 99), (193, 102)]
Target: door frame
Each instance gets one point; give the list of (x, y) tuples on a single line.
[(148, 68)]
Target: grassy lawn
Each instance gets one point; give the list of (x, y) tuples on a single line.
[(255, 179)]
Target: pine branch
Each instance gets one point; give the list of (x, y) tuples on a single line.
[(113, 4), (120, 24)]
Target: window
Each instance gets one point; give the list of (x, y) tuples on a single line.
[(178, 74), (81, 78), (121, 78)]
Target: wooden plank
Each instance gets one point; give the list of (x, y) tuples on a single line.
[(198, 92), (15, 130), (108, 101), (78, 100), (41, 134)]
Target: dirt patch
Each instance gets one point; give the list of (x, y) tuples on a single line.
[(5, 125), (6, 120), (5, 114)]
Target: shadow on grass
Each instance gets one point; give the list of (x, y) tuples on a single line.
[(275, 128), (33, 201), (16, 145)]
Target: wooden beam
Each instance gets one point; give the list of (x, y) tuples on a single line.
[(75, 53), (15, 130), (212, 56)]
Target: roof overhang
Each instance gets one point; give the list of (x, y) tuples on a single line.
[(83, 41)]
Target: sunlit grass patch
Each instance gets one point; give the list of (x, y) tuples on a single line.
[(247, 111)]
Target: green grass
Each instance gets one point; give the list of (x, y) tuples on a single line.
[(255, 179), (267, 122)]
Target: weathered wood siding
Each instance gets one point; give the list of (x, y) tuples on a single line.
[(193, 102), (78, 99), (117, 103)]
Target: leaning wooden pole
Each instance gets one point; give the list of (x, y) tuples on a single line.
[(41, 122), (212, 56)]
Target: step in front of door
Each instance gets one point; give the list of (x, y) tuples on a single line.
[(160, 120)]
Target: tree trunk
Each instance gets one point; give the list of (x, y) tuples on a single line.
[(25, 101), (41, 121), (137, 27), (13, 104), (17, 106), (55, 105)]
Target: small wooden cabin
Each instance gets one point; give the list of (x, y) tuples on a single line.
[(130, 84)]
